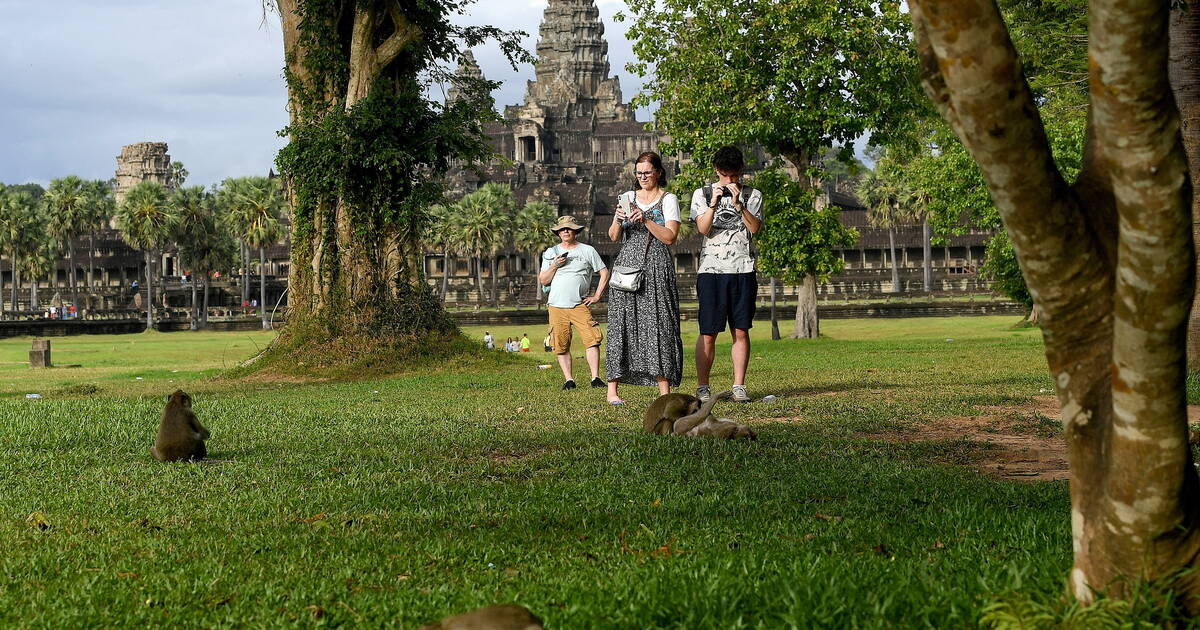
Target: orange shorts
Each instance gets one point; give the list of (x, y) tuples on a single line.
[(561, 320)]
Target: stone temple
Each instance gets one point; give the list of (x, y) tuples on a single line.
[(140, 162)]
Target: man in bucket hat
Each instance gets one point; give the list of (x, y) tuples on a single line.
[(567, 270)]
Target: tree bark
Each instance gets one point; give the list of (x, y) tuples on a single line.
[(1112, 301), (1184, 72), (245, 280), (74, 280), (481, 297), (774, 317), (807, 324), (204, 313), (495, 263), (892, 250), (927, 254)]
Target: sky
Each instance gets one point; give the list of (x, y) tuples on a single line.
[(82, 78)]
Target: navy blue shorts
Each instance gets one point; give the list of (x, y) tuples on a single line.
[(726, 298)]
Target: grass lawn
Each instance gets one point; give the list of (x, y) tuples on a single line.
[(396, 502)]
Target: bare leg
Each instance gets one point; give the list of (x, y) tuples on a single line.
[(564, 362), (612, 391), (664, 386), (740, 355), (593, 360), (705, 345)]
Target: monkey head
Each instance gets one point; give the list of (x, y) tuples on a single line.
[(180, 397)]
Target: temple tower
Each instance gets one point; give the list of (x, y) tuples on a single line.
[(143, 161), (468, 71)]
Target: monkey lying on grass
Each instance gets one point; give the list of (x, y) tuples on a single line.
[(503, 617), (681, 414), (180, 434), (666, 409)]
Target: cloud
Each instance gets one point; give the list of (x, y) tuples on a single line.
[(83, 78)]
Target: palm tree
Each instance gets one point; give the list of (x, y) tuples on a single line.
[(481, 230), (146, 220), (253, 215), (914, 205), (880, 196), (19, 227), (500, 203), (204, 243), (97, 210), (65, 202), (441, 233), (531, 234)]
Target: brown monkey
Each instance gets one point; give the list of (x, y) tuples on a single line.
[(722, 428), (501, 617), (666, 409), (703, 424), (180, 434), (688, 422)]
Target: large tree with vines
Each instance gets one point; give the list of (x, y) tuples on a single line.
[(366, 154)]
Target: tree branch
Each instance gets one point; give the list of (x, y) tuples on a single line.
[(405, 33)]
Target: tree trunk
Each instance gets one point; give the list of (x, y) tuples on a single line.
[(495, 262), (204, 313), (892, 249), (774, 317), (149, 290), (481, 298), (262, 286), (1111, 267), (91, 264), (927, 254), (1185, 82), (195, 323), (34, 304), (72, 277), (245, 281), (807, 324), (446, 262), (16, 281)]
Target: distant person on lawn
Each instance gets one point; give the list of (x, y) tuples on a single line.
[(567, 269), (525, 342)]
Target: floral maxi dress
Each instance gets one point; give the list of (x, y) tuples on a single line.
[(643, 326)]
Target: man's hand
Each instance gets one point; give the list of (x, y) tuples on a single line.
[(735, 189), (716, 196), (560, 261), (591, 299)]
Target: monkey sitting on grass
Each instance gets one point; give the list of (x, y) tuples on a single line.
[(703, 424), (180, 434)]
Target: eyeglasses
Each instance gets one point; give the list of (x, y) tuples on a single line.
[(644, 173)]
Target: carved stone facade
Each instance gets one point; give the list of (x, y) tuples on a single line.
[(140, 162)]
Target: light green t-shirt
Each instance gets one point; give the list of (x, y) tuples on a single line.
[(573, 280)]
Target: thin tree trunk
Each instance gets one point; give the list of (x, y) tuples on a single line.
[(495, 262), (446, 261), (149, 291), (204, 313), (774, 318), (481, 299), (195, 323), (73, 277), (807, 324), (34, 304), (91, 263), (892, 249), (245, 273), (262, 286), (16, 281), (927, 253)]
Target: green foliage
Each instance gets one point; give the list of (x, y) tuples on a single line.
[(793, 77), (1001, 268), (1149, 607), (65, 203), (252, 206), (146, 217), (796, 238), (203, 238), (25, 233)]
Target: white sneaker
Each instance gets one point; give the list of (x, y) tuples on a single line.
[(703, 393), (739, 394)]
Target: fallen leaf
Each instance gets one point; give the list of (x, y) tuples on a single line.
[(317, 611), (656, 503), (520, 409), (127, 574), (882, 550), (312, 520), (403, 576), (938, 545), (38, 520), (827, 517)]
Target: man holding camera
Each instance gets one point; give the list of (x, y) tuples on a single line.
[(567, 270), (727, 214)]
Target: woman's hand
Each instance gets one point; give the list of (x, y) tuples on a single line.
[(620, 214)]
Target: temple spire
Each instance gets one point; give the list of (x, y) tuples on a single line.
[(468, 73)]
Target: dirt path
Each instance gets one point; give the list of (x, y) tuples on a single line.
[(1020, 442)]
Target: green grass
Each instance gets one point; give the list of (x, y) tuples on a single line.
[(395, 502)]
